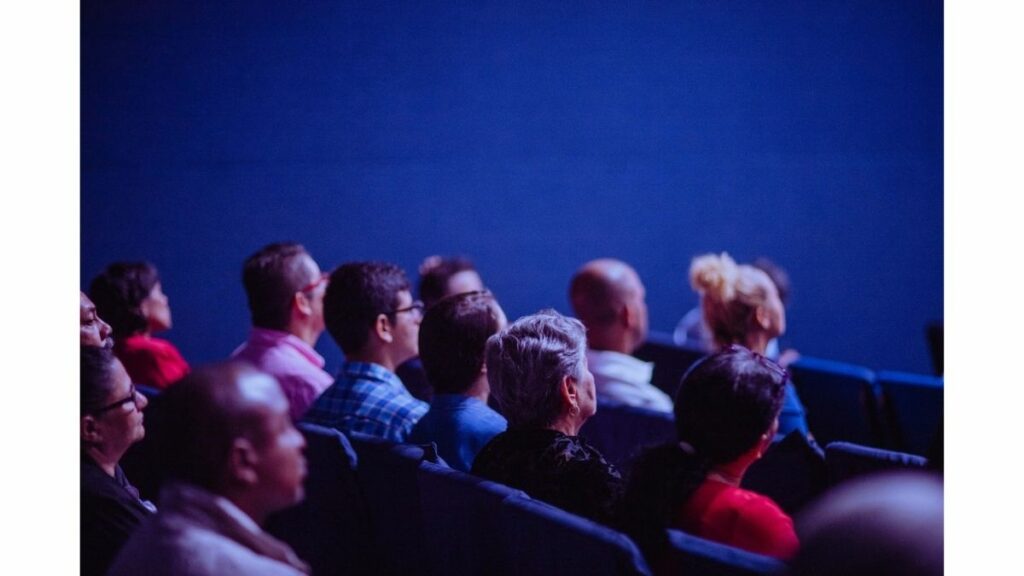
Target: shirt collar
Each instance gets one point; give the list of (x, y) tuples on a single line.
[(269, 337)]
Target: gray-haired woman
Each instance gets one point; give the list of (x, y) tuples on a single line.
[(538, 373)]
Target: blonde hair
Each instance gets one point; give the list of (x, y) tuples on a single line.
[(730, 295)]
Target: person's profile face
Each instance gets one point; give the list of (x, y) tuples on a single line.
[(406, 327), (315, 289), (586, 393), (93, 330), (156, 308), (281, 462), (120, 418)]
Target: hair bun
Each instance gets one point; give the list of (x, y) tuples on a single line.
[(714, 276)]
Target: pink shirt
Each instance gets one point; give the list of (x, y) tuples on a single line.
[(295, 364)]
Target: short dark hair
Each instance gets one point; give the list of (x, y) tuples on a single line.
[(118, 293), (201, 416), (96, 376), (271, 278), (435, 273), (357, 293), (453, 337)]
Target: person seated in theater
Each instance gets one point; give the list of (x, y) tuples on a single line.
[(94, 331), (452, 339), (883, 524), (370, 313), (231, 457), (130, 295), (726, 414), (608, 297), (439, 277), (742, 306), (111, 421), (537, 368), (285, 290), (693, 332)]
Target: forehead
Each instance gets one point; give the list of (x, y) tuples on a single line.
[(86, 306), (403, 298), (121, 383), (464, 281)]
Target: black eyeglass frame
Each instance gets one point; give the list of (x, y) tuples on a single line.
[(133, 397)]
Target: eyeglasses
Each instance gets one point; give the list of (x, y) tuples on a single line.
[(416, 307), (132, 397), (315, 283)]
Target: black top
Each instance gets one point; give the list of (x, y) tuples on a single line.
[(111, 510), (548, 465)]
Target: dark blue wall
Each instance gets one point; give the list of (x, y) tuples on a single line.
[(531, 136)]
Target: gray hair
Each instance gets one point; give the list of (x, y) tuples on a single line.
[(527, 361)]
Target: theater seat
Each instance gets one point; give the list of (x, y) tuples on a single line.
[(671, 361), (844, 460), (840, 399), (461, 520), (328, 529), (621, 432), (537, 538), (913, 405), (792, 473), (696, 556)]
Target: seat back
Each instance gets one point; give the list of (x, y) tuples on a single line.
[(537, 538), (844, 460), (792, 473), (388, 478), (461, 516), (621, 432), (329, 528), (913, 405), (840, 399), (692, 555), (671, 361)]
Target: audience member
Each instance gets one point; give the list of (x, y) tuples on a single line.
[(887, 524), (370, 313), (693, 332), (726, 413), (231, 457), (608, 297), (742, 306), (131, 297), (286, 289), (111, 421), (439, 277), (537, 368), (94, 331), (452, 340)]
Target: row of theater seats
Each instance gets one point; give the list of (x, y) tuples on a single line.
[(844, 402), (373, 507)]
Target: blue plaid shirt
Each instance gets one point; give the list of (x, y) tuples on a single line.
[(370, 399)]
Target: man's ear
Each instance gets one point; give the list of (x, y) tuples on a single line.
[(301, 302), (383, 329), (90, 430), (241, 462)]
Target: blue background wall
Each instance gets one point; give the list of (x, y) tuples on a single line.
[(531, 136)]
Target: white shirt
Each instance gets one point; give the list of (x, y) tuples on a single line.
[(623, 379)]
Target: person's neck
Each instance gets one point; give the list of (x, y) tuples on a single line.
[(304, 331), (374, 356), (610, 341), (566, 425), (757, 342), (480, 389), (106, 461), (247, 505), (730, 472)]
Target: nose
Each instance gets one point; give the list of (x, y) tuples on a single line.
[(105, 329), (140, 400)]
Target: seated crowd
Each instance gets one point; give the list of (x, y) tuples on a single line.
[(501, 401)]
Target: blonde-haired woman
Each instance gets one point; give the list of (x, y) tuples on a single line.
[(741, 305)]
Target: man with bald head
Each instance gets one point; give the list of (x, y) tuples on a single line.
[(231, 457), (608, 297)]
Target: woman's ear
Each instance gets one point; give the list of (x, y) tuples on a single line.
[(762, 317), (568, 392)]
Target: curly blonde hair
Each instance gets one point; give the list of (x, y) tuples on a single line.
[(730, 295)]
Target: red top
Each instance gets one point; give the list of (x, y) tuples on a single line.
[(737, 517), (151, 361)]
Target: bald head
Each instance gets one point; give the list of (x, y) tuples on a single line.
[(206, 411), (608, 297)]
